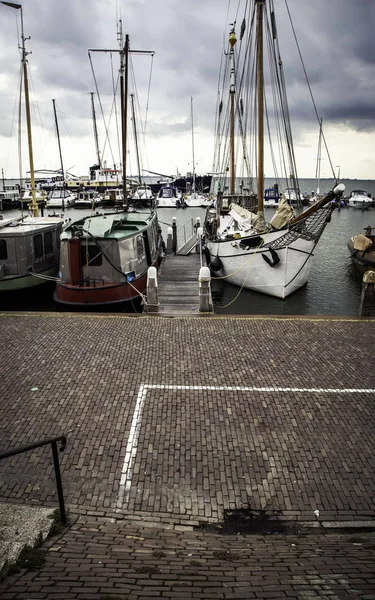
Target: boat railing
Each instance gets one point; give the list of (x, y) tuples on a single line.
[(53, 441), (186, 231)]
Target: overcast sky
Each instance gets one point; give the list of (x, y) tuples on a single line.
[(337, 42)]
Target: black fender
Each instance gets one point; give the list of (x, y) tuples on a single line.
[(274, 260), (216, 264)]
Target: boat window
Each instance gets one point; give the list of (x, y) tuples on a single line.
[(48, 245), (140, 246), (38, 245), (91, 255), (3, 250)]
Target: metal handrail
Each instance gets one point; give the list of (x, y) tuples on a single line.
[(53, 441)]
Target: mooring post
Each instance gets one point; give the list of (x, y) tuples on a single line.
[(367, 294), (169, 240), (152, 304), (197, 226), (174, 230), (204, 289)]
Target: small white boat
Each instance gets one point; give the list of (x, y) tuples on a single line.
[(168, 197), (360, 199), (142, 196), (61, 198), (196, 200), (88, 199), (271, 197), (114, 197), (40, 196)]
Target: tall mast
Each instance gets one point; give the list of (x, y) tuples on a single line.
[(124, 69), (136, 138), (58, 137), (2, 177), (260, 105), (95, 130), (192, 141), (34, 205), (232, 41)]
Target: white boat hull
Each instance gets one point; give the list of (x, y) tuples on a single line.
[(248, 269), (362, 204)]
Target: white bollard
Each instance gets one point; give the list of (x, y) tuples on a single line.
[(152, 291), (204, 289), (199, 236), (169, 240)]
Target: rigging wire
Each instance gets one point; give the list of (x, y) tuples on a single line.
[(308, 84), (114, 89), (101, 108)]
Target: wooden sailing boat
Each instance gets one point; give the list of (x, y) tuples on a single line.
[(240, 246), (105, 258), (29, 247)]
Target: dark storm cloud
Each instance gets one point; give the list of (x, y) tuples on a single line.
[(335, 36)]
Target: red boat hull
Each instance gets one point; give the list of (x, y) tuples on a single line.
[(107, 293)]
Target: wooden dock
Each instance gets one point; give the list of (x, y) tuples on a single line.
[(178, 285)]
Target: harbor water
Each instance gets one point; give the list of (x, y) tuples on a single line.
[(333, 289)]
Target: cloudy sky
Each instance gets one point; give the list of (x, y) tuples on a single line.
[(336, 39)]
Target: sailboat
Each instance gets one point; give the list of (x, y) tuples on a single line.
[(59, 196), (29, 246), (194, 198), (272, 258), (105, 258)]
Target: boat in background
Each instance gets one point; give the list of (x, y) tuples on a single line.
[(271, 197), (142, 196), (88, 199), (113, 197), (362, 250), (29, 247), (360, 199), (60, 198), (169, 196)]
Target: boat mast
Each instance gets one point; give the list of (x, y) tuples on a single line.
[(34, 205), (136, 139), (95, 131), (124, 60), (232, 41), (2, 176), (260, 105), (58, 137), (192, 141)]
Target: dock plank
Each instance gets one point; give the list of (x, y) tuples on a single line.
[(178, 285)]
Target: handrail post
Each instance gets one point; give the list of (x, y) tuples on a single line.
[(169, 240), (58, 482), (174, 235)]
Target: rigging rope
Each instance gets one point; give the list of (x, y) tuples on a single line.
[(308, 84)]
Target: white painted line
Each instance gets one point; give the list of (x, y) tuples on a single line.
[(132, 445), (131, 450), (241, 388)]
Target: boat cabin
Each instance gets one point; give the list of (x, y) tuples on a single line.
[(31, 244)]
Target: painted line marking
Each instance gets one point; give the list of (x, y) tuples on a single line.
[(135, 428)]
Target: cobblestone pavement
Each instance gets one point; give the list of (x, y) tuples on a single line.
[(101, 560), (190, 417)]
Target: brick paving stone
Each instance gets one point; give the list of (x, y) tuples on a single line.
[(199, 451), (200, 564)]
